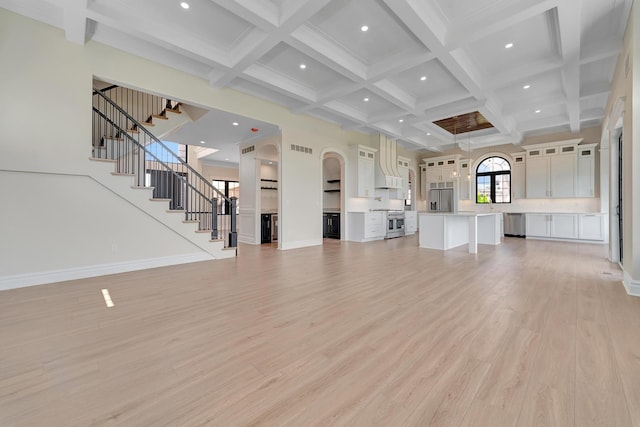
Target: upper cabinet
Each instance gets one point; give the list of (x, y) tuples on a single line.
[(586, 170), (552, 171), (364, 170), (403, 169), (465, 179), (442, 172), (518, 176)]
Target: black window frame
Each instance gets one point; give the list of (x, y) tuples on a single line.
[(225, 205), (492, 180)]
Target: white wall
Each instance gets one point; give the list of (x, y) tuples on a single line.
[(220, 173), (56, 226)]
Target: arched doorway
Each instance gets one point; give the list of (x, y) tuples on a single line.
[(333, 196)]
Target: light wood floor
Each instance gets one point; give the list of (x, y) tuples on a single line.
[(526, 333)]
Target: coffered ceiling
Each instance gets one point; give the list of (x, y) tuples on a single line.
[(528, 66)]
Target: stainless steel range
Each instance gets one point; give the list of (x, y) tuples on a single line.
[(395, 224)]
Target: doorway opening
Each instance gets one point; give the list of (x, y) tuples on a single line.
[(332, 196)]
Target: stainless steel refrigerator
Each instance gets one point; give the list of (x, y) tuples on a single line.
[(441, 200)]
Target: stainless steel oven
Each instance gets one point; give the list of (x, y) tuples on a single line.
[(395, 224)]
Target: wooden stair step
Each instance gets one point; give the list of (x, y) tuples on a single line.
[(159, 200), (123, 174), (190, 221), (179, 211), (171, 110), (147, 124), (158, 116)]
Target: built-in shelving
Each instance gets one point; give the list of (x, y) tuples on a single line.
[(333, 181), (266, 187), (337, 190)]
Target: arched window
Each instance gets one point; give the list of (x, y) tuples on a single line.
[(493, 181)]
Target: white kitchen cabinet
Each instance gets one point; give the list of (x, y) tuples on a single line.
[(563, 226), (517, 176), (465, 179), (442, 172), (423, 182), (537, 177), (586, 170), (591, 226), (555, 226), (364, 174), (537, 225), (410, 222), (366, 226), (562, 176), (551, 171), (403, 168)]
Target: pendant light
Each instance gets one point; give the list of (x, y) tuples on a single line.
[(455, 122), (469, 152)]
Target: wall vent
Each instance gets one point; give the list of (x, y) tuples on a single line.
[(248, 149), (301, 149)]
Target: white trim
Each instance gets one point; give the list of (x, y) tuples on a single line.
[(554, 239), (52, 276), (301, 244), (631, 286)]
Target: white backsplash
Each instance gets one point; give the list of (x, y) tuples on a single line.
[(380, 201), (573, 205)]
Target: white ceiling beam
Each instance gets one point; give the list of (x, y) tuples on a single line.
[(262, 14), (75, 21), (569, 24), (524, 72), (398, 63), (317, 46), (258, 43), (499, 16), (168, 38), (265, 76), (393, 94), (604, 49)]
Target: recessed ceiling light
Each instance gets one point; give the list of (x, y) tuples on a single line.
[(428, 133), (270, 163), (526, 87), (227, 158), (401, 120), (184, 5), (235, 123), (303, 66), (201, 142), (423, 78), (364, 28), (537, 111), (366, 100), (508, 45)]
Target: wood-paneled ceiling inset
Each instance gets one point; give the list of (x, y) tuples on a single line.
[(463, 123)]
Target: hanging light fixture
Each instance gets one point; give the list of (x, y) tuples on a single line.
[(455, 122), (469, 151)]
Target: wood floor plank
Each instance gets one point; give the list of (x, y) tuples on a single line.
[(384, 333)]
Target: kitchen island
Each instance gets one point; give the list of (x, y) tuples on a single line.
[(446, 230)]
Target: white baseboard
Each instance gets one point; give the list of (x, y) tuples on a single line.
[(300, 244), (631, 286), (553, 239), (52, 276)]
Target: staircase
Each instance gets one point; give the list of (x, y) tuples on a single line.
[(154, 176)]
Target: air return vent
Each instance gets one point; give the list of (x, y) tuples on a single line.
[(248, 149), (301, 149)]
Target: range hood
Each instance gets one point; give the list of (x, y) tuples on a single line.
[(387, 175)]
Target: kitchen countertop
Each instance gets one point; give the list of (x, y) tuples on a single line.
[(463, 213)]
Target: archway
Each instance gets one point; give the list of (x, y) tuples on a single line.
[(333, 195)]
